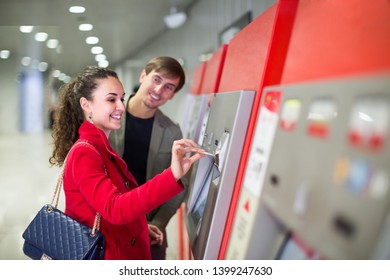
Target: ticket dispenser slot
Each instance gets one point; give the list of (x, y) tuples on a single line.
[(212, 177), (327, 180)]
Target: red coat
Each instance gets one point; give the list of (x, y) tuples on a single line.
[(115, 195)]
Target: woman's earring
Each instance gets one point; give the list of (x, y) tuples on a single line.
[(90, 118)]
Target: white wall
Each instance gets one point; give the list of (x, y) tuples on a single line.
[(198, 35), (9, 109), (11, 106)]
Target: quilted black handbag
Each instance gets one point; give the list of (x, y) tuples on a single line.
[(53, 235)]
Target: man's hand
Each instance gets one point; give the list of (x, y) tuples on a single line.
[(155, 235)]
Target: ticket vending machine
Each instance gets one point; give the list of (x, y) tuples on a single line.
[(317, 179), (196, 105), (213, 176), (196, 113)]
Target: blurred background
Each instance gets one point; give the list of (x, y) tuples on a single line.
[(43, 43), (293, 94)]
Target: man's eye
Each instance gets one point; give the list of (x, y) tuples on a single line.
[(170, 88)]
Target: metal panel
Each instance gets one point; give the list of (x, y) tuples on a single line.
[(328, 178), (318, 170), (225, 132)]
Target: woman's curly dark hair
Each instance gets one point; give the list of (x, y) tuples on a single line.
[(69, 115)]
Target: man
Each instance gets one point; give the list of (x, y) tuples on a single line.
[(146, 136)]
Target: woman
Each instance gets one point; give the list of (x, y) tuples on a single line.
[(95, 178)]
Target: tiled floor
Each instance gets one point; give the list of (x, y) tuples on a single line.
[(27, 182)]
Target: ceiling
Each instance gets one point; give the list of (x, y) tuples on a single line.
[(122, 26)]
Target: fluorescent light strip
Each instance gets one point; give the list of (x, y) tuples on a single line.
[(92, 40), (4, 54), (26, 28), (77, 9), (96, 50), (41, 36), (85, 27)]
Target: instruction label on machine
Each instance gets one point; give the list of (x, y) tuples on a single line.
[(254, 175), (262, 143)]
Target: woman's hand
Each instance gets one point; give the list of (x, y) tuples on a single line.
[(181, 160), (155, 235)]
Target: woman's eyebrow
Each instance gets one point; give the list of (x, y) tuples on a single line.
[(112, 93)]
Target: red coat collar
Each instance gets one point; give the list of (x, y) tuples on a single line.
[(90, 133)]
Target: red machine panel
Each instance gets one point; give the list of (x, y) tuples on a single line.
[(197, 78), (212, 75), (247, 54), (255, 59), (328, 38), (337, 38)]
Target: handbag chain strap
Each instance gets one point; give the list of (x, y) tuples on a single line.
[(56, 195)]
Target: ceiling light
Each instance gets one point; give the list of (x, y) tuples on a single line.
[(175, 19), (96, 50), (77, 9), (52, 43), (56, 73), (26, 28), (103, 63), (26, 61), (42, 66), (62, 76), (67, 79), (4, 54), (92, 40), (100, 57), (85, 27), (41, 36)]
